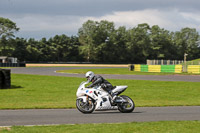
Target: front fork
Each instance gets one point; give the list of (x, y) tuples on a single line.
[(89, 100)]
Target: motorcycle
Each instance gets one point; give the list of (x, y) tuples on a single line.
[(90, 99)]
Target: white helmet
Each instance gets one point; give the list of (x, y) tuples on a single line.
[(89, 75)]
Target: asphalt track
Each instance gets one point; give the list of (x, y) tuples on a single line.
[(73, 116), (51, 71)]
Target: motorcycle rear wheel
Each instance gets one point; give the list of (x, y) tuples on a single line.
[(126, 107), (85, 107)]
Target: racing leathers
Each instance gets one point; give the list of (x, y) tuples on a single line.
[(100, 81)]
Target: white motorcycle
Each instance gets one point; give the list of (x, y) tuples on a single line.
[(90, 99)]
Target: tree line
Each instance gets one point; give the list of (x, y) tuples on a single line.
[(102, 42)]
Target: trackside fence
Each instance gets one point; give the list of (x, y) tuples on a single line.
[(12, 64), (164, 62)]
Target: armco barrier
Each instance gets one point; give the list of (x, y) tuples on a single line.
[(178, 68), (168, 68), (144, 68), (159, 68), (193, 69), (12, 64), (137, 68), (154, 68)]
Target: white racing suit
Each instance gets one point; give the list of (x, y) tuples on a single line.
[(100, 81)]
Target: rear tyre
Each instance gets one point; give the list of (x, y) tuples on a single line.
[(85, 107), (126, 107)]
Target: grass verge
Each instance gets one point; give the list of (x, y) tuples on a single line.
[(118, 71), (136, 127), (35, 91)]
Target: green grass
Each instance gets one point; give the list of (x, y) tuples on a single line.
[(196, 59), (34, 91), (118, 71), (192, 62), (134, 127)]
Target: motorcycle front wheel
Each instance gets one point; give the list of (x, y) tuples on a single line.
[(126, 107), (85, 107)]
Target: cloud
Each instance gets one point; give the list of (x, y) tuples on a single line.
[(92, 7), (48, 25), (38, 25), (172, 20), (34, 22)]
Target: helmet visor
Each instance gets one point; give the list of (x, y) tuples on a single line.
[(88, 78)]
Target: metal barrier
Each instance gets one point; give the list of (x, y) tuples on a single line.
[(159, 68), (194, 69), (12, 64), (164, 62)]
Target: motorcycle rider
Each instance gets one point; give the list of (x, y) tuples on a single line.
[(99, 80)]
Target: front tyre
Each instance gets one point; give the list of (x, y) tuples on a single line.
[(85, 107), (126, 107)]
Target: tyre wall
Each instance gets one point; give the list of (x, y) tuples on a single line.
[(5, 79)]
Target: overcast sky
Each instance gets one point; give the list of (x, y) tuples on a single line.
[(47, 18)]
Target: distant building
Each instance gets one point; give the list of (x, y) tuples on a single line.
[(5, 59)]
